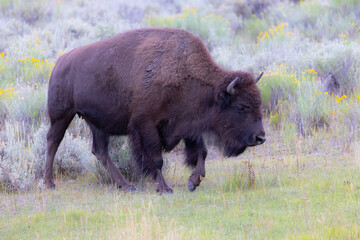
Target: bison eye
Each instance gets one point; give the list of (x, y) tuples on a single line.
[(240, 109)]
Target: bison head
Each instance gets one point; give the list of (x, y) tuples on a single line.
[(238, 120)]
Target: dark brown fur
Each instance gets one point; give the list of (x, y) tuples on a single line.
[(159, 86)]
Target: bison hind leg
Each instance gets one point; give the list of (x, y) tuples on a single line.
[(147, 151), (152, 167), (100, 149), (54, 138)]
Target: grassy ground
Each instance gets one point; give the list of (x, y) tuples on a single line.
[(285, 197)]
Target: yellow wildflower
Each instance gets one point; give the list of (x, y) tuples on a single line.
[(9, 91), (2, 54)]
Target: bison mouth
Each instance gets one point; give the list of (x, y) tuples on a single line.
[(231, 151), (238, 146), (230, 148)]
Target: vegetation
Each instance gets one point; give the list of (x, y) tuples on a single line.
[(303, 183), (318, 200)]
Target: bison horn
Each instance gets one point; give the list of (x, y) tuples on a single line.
[(258, 78), (230, 89)]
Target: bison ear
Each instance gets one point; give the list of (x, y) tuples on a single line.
[(223, 99)]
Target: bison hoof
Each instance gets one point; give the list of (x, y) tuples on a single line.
[(168, 191), (131, 189), (164, 190), (49, 185), (191, 186), (127, 188)]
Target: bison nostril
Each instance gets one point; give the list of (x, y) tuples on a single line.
[(260, 139)]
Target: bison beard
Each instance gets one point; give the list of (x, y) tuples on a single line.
[(158, 86)]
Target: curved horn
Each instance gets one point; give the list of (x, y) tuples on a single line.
[(230, 89), (258, 78)]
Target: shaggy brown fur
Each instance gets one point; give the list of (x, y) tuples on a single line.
[(159, 86)]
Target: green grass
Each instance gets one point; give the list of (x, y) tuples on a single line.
[(318, 201)]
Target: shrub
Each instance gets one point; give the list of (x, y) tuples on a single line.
[(30, 12), (27, 105), (255, 7), (15, 159), (5, 97), (253, 26), (10, 28), (278, 34), (103, 31), (76, 28), (277, 84), (346, 118), (213, 29), (121, 155), (5, 4), (23, 154), (32, 69), (341, 60), (352, 4), (26, 63), (295, 97), (309, 108)]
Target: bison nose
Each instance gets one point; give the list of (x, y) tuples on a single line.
[(260, 139)]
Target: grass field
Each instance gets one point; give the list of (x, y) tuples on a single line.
[(318, 201), (303, 183)]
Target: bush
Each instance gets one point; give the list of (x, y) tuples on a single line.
[(253, 26), (27, 105), (277, 85), (23, 154), (16, 161), (309, 108), (346, 119), (121, 155), (342, 61), (6, 95), (213, 29), (295, 95)]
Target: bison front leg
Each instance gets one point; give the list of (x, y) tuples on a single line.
[(146, 148), (195, 157)]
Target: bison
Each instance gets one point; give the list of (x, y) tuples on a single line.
[(158, 86)]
